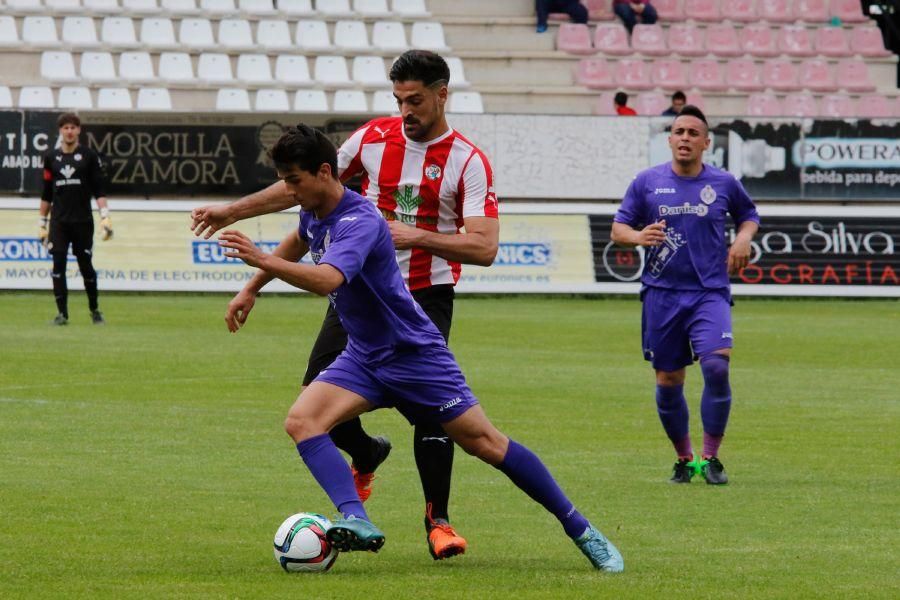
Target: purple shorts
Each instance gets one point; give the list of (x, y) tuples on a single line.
[(425, 385), (677, 326)]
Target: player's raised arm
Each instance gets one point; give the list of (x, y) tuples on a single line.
[(207, 220)]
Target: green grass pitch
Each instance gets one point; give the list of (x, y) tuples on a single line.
[(146, 458)]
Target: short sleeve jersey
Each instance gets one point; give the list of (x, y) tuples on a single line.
[(695, 209), (70, 181), (376, 309), (433, 185)]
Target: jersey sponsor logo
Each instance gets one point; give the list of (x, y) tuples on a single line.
[(664, 190), (390, 215), (701, 210), (708, 195), (523, 254), (67, 171), (381, 132), (348, 219), (433, 172), (405, 199), (451, 404)]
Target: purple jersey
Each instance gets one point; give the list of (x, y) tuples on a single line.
[(375, 307), (694, 253)]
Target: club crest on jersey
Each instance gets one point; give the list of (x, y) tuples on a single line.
[(78, 157), (708, 195), (432, 172)]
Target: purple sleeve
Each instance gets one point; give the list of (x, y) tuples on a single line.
[(301, 226), (352, 240), (631, 210), (741, 206)]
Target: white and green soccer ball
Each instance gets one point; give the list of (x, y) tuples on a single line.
[(301, 545)]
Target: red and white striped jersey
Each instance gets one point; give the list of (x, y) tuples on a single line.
[(432, 185)]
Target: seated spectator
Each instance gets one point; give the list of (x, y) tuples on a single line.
[(678, 101), (574, 8), (632, 10), (621, 102)]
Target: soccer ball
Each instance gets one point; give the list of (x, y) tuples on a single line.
[(301, 545)]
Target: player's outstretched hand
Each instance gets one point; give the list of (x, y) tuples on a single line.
[(241, 247), (653, 234), (106, 229), (738, 255), (238, 310), (404, 236), (206, 220)]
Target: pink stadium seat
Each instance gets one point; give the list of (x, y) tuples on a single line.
[(611, 38), (574, 38), (651, 104), (837, 106), (759, 40), (867, 41), (795, 40), (780, 74), (707, 75), (702, 10), (849, 11), (743, 74), (697, 99), (775, 11), (800, 105), (686, 40), (649, 40), (722, 40), (559, 17), (876, 105), (812, 11), (740, 10), (599, 10), (853, 75), (633, 74), (816, 75), (595, 73), (604, 105), (832, 41), (669, 74), (764, 105), (669, 10)]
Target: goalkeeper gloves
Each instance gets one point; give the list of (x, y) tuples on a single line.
[(106, 230), (43, 234)]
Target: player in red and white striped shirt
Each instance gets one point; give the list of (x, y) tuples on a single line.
[(435, 188)]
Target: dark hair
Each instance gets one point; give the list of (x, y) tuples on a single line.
[(68, 119), (621, 98), (689, 110), (679, 95), (305, 147), (420, 65)]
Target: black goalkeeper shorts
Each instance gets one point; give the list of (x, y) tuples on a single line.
[(79, 235)]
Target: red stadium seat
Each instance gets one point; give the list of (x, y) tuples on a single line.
[(740, 10), (702, 10), (707, 75), (800, 105), (611, 38), (795, 40), (849, 11), (669, 10), (595, 73), (832, 41), (574, 38), (649, 40), (853, 75), (837, 106), (633, 74), (867, 41), (812, 11), (775, 11), (743, 74), (876, 105), (759, 40), (686, 40), (651, 104), (780, 74), (669, 74), (722, 40), (816, 75), (764, 105)]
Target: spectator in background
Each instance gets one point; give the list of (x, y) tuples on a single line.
[(622, 108), (574, 8), (678, 101), (632, 10)]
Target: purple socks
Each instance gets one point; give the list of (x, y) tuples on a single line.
[(715, 403), (674, 416), (332, 473)]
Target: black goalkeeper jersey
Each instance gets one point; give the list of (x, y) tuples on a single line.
[(70, 181)]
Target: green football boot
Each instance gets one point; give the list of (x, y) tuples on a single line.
[(353, 534), (600, 551)]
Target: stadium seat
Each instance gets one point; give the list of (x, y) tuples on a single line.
[(876, 106), (273, 34), (196, 34), (136, 67), (457, 73), (598, 10), (795, 40), (812, 11), (649, 40), (312, 36), (707, 75), (801, 104), (775, 11), (175, 67), (258, 8), (743, 74), (371, 8), (64, 6), (669, 74), (351, 37), (97, 67), (114, 99), (5, 97), (686, 40), (410, 8), (140, 7), (25, 6), (218, 8), (428, 36), (853, 75), (254, 69), (604, 105), (384, 103), (292, 70), (39, 32), (32, 96), (158, 33), (235, 34), (837, 106), (595, 73), (743, 11), (633, 74), (574, 38), (271, 100), (669, 10), (696, 98), (334, 8), (465, 102), (9, 35), (722, 40), (833, 42), (154, 99), (310, 101), (650, 104), (180, 7), (232, 99), (759, 40), (369, 72), (331, 70), (102, 7), (609, 38), (848, 11), (214, 68), (296, 8), (867, 41), (389, 36), (764, 105), (816, 75), (118, 32), (350, 101), (79, 32), (780, 74), (703, 10), (75, 97), (58, 66)]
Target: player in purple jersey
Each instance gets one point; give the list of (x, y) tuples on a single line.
[(395, 356), (678, 211)]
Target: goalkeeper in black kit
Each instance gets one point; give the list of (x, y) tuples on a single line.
[(73, 174)]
